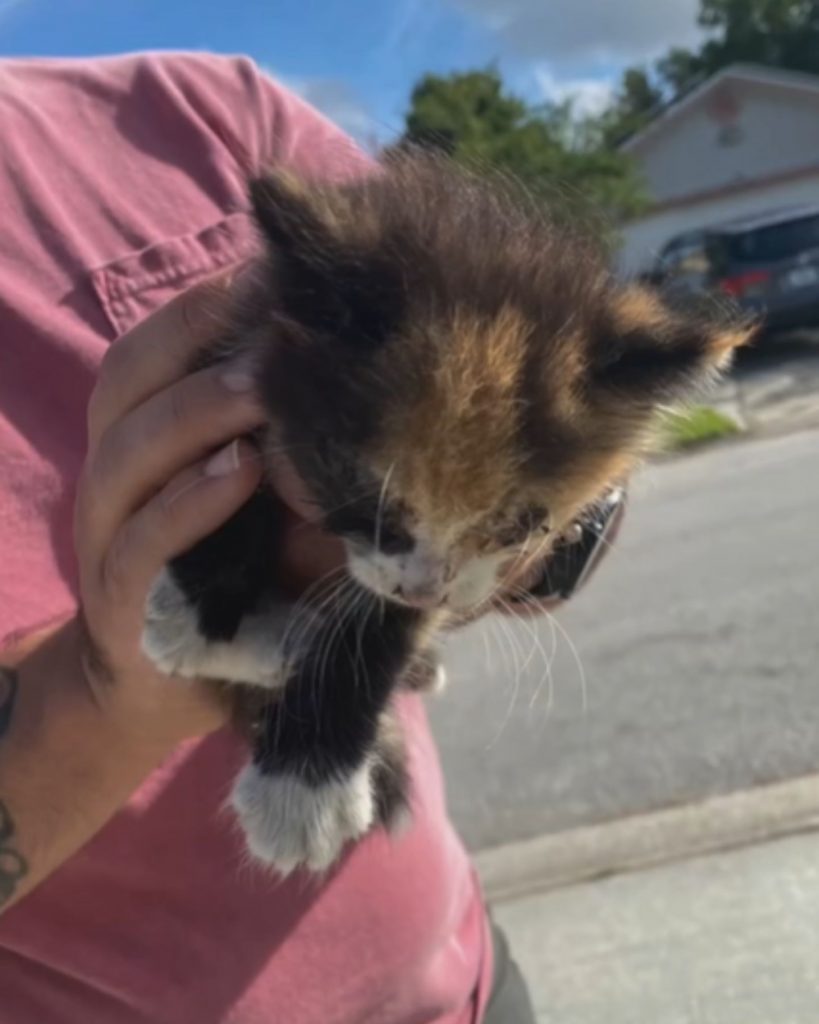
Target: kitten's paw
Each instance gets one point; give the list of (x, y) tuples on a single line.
[(173, 641), (426, 675), (289, 824), (170, 634)]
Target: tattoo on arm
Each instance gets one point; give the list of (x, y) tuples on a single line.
[(12, 864)]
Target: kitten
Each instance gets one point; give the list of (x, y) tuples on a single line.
[(454, 378)]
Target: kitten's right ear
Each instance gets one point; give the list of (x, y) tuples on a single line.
[(296, 219), (331, 279)]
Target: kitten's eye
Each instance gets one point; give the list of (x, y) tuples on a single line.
[(360, 526), (534, 519), (392, 540), (511, 536)]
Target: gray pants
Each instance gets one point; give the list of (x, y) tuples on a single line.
[(509, 1002)]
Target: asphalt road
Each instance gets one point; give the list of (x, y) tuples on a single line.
[(699, 647)]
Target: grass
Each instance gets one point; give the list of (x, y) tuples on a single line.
[(694, 426)]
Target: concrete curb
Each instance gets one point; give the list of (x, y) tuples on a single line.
[(630, 844)]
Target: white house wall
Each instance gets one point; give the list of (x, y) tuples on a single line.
[(774, 130)]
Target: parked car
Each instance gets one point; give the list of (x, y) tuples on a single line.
[(768, 264)]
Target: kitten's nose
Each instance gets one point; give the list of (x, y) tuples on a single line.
[(420, 596)]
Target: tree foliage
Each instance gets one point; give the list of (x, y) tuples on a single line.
[(635, 101), (776, 33), (551, 150)]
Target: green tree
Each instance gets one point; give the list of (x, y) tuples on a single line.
[(468, 110), (475, 119), (678, 70), (636, 99), (780, 33), (776, 33)]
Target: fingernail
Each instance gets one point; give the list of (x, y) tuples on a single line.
[(238, 380), (224, 461)]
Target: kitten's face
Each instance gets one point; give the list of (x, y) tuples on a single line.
[(454, 377), (433, 564), (409, 546)]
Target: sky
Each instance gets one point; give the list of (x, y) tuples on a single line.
[(357, 60)]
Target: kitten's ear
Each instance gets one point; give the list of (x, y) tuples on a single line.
[(296, 218), (331, 280), (651, 352)]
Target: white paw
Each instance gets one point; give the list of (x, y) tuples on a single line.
[(289, 824), (171, 639)]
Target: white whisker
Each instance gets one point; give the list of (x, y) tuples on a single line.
[(506, 632), (380, 511), (525, 597)]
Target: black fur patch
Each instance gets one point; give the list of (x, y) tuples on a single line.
[(322, 728), (330, 285), (225, 576), (639, 366), (390, 777)]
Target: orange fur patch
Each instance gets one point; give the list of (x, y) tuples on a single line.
[(456, 455), (456, 451), (637, 309), (589, 477), (724, 343)]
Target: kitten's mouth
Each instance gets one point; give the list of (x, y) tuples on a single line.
[(422, 602)]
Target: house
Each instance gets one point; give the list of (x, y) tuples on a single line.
[(743, 142)]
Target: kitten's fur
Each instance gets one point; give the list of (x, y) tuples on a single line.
[(453, 377)]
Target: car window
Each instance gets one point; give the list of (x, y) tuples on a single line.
[(777, 242), (685, 255)]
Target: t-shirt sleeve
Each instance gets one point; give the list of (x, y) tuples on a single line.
[(260, 120), (297, 135)]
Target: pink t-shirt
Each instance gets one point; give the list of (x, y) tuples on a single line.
[(122, 182)]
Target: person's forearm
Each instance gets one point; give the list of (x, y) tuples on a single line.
[(65, 767)]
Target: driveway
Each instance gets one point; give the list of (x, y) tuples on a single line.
[(775, 388)]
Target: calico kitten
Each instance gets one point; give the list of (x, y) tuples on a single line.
[(453, 377)]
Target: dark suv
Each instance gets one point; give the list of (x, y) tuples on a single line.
[(769, 264)]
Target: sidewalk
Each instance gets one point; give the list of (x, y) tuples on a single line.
[(703, 915), (777, 393)]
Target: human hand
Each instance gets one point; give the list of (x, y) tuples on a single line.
[(165, 467)]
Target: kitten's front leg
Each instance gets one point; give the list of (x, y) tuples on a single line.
[(174, 640), (327, 765), (426, 673), (212, 614)]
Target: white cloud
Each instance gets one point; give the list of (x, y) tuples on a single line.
[(590, 95), (589, 30)]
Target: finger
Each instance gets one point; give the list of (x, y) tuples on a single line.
[(194, 504), (159, 350), (169, 431)]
